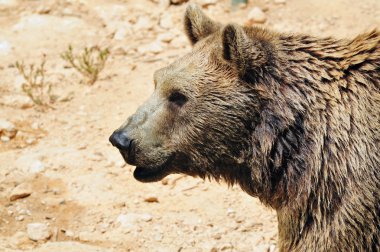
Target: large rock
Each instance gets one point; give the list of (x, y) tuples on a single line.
[(38, 231)]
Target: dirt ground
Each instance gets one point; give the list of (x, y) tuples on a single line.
[(78, 184)]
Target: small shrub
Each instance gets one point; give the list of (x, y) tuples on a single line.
[(89, 63), (35, 86)]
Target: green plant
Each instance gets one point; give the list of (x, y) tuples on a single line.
[(35, 85), (89, 63)]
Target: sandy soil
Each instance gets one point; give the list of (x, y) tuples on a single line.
[(79, 185)]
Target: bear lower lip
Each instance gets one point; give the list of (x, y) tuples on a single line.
[(144, 174)]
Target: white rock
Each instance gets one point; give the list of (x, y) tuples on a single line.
[(38, 231), (121, 33), (86, 236), (19, 238), (166, 21), (256, 15), (5, 48), (143, 23), (131, 219), (7, 128), (16, 101), (36, 167), (5, 139), (206, 3), (154, 47), (69, 233), (23, 190), (280, 1)]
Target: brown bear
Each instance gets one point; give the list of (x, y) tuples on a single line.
[(293, 119)]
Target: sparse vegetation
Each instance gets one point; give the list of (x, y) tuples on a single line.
[(36, 86), (89, 63)]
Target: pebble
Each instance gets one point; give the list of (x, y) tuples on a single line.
[(151, 199), (154, 47), (166, 21), (279, 1), (256, 15), (7, 128), (21, 191), (130, 219), (143, 23), (69, 233), (206, 3), (5, 139), (178, 1), (121, 33), (5, 48), (166, 37), (19, 238), (36, 167), (38, 231)]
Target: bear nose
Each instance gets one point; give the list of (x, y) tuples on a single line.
[(120, 140)]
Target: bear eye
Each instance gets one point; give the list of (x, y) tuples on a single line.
[(178, 98)]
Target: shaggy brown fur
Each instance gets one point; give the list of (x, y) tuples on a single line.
[(292, 119)]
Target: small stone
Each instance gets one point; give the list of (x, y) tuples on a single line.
[(151, 199), (5, 48), (206, 3), (166, 37), (143, 23), (38, 231), (53, 201), (5, 139), (20, 218), (256, 15), (280, 1), (21, 191), (154, 48), (7, 129), (121, 33), (178, 1), (166, 21), (216, 236), (131, 219), (69, 233), (30, 140), (43, 10), (36, 167)]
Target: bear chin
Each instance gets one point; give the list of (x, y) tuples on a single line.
[(151, 174)]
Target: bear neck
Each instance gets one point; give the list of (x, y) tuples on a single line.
[(315, 151)]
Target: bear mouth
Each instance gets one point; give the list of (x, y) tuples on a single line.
[(153, 174)]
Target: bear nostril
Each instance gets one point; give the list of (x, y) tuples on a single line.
[(120, 140)]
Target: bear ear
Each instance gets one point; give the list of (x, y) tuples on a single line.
[(241, 50), (197, 24)]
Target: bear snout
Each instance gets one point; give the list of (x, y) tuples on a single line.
[(124, 143)]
